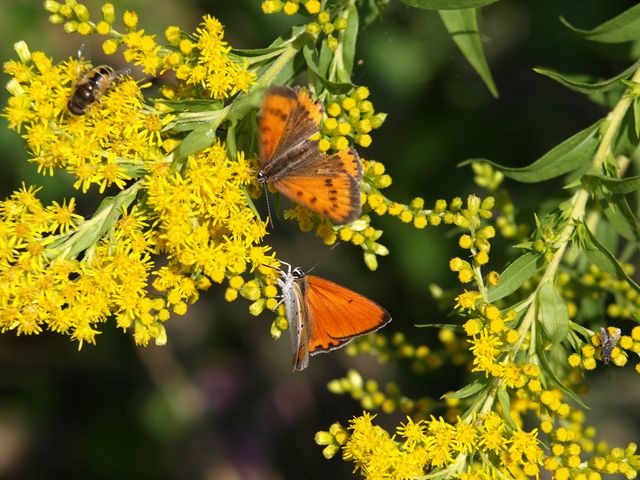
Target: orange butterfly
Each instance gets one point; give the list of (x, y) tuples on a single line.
[(326, 184), (324, 316)]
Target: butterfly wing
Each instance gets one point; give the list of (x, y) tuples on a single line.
[(289, 118), (335, 197), (336, 315), (325, 184), (298, 323)]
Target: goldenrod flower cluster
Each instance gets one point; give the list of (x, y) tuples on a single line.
[(105, 147), (350, 117), (418, 447), (182, 181), (491, 412), (330, 22), (69, 274)]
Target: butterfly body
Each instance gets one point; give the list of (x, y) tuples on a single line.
[(329, 185), (324, 316)]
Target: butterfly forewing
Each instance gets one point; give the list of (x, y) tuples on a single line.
[(336, 314), (289, 118)]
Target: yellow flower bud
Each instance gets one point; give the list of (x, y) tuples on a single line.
[(109, 47), (290, 8), (130, 19), (173, 35), (324, 145), (465, 242), (109, 13), (103, 28), (363, 139), (313, 28), (312, 6), (323, 17), (257, 307), (230, 294)]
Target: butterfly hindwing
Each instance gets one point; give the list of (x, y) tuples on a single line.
[(289, 118), (336, 197), (337, 314)]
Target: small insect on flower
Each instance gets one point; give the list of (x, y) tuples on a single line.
[(89, 88), (324, 316), (609, 338), (91, 85)]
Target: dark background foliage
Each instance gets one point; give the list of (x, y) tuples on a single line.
[(220, 400)]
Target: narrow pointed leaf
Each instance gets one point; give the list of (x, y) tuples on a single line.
[(471, 389), (519, 271), (578, 83), (348, 45), (447, 4), (601, 257), (622, 186), (622, 28), (575, 152), (618, 212), (463, 27)]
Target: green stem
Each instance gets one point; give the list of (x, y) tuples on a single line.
[(578, 211)]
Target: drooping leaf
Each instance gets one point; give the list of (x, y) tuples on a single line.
[(447, 4), (553, 313), (621, 28), (474, 387), (618, 212), (622, 186), (519, 271), (577, 83), (573, 153), (462, 25), (600, 256)]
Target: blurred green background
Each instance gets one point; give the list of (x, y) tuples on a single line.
[(220, 400)]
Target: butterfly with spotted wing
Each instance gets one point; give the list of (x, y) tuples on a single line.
[(328, 185)]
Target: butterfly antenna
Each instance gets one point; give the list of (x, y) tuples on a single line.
[(323, 257)]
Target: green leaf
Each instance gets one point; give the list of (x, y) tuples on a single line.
[(622, 186), (505, 403), (578, 84), (348, 45), (463, 27), (105, 216), (519, 271), (474, 387), (622, 28), (600, 256), (334, 87), (197, 140), (550, 375), (553, 313), (618, 212), (447, 4), (573, 153)]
